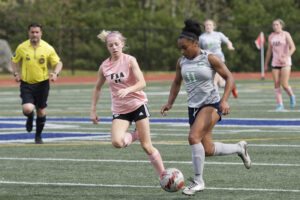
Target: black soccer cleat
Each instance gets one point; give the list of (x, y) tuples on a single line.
[(38, 140)]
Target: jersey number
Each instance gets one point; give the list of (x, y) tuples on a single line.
[(191, 77)]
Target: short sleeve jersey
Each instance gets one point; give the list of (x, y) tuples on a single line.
[(34, 61), (280, 48), (198, 76), (119, 75), (213, 42)]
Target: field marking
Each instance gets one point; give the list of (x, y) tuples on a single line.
[(143, 161), (154, 142), (141, 186)]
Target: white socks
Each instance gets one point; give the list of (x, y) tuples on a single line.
[(226, 149), (198, 157)]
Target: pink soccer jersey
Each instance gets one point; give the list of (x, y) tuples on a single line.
[(119, 75), (280, 48)]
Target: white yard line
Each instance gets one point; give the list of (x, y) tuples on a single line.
[(139, 186), (143, 161)]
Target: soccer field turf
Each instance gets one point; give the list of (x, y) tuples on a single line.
[(78, 161)]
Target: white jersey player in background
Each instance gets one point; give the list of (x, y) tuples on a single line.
[(212, 40)]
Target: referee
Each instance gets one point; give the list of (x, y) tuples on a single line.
[(35, 55)]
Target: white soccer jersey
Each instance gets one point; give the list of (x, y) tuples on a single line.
[(212, 42)]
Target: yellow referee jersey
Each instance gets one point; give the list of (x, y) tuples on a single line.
[(34, 62)]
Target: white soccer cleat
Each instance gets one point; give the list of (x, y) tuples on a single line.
[(244, 155), (192, 189)]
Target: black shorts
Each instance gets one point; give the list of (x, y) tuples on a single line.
[(193, 112), (139, 114), (276, 67), (36, 94)]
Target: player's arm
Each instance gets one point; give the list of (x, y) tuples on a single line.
[(222, 69), (96, 94), (229, 45), (175, 88), (268, 56), (291, 45), (140, 84), (15, 67), (57, 69)]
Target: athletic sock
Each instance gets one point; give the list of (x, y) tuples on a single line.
[(226, 149), (198, 157), (130, 138), (289, 91), (278, 96), (40, 123), (157, 162), (29, 121), (30, 115)]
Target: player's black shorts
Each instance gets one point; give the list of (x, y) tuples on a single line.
[(36, 94), (140, 113), (193, 112), (276, 67)]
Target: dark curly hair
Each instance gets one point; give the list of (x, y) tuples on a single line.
[(192, 30)]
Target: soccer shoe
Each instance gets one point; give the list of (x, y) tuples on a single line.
[(244, 154), (279, 107), (29, 123), (293, 101), (234, 92), (38, 140), (193, 188)]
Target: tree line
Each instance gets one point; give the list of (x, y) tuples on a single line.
[(150, 26)]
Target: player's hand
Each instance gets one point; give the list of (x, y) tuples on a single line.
[(53, 76), (283, 60), (122, 93), (94, 117), (266, 68), (164, 109), (224, 107), (18, 78)]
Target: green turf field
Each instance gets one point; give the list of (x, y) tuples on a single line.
[(89, 167)]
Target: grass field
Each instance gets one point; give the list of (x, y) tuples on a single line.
[(78, 162)]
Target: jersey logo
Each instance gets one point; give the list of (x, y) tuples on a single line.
[(200, 64), (27, 58), (117, 77), (42, 60), (276, 43)]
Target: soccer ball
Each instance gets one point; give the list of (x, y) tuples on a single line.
[(171, 180)]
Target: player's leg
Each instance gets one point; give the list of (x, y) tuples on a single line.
[(41, 92), (28, 111), (219, 81), (276, 73), (203, 125), (285, 75), (143, 128), (27, 104), (40, 124), (118, 131), (220, 149)]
